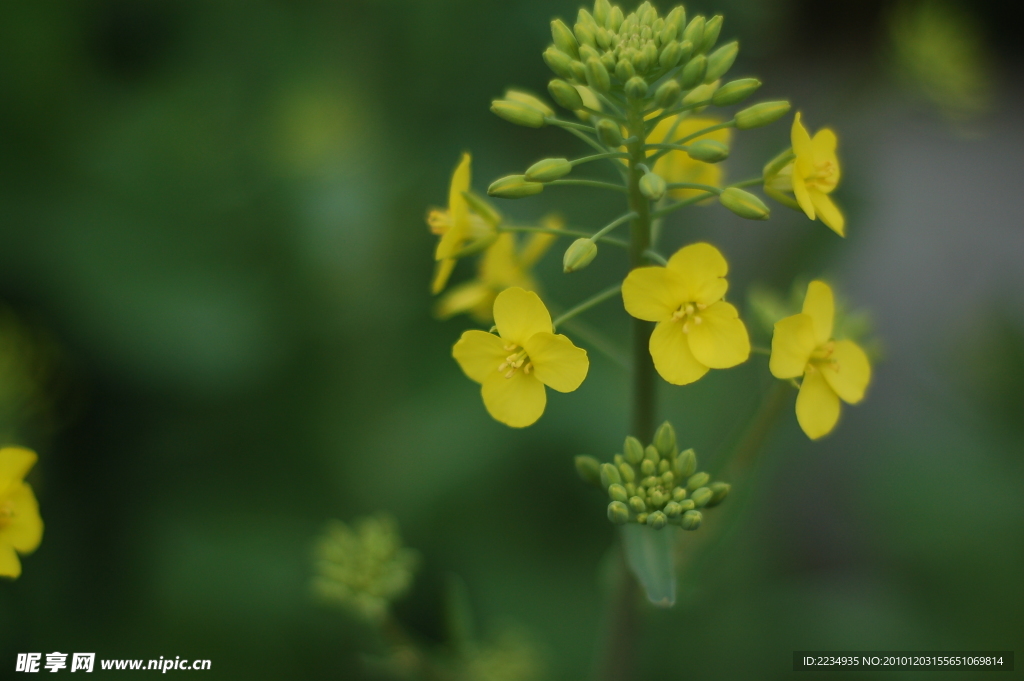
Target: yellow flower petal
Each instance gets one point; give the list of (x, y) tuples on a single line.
[(824, 145), (849, 373), (817, 406), (10, 566), (499, 266), (701, 268), (557, 363), (802, 194), (802, 147), (519, 314), (792, 345), (442, 271), (479, 354), (820, 306), (466, 297), (15, 463), (670, 349), (677, 166), (653, 293), (517, 401), (458, 210), (26, 528), (720, 341), (828, 212)]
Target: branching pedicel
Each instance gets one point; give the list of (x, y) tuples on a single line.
[(638, 86)]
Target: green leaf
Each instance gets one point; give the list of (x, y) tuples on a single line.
[(649, 556)]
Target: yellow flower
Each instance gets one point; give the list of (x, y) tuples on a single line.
[(832, 370), (811, 176), (696, 329), (513, 366), (21, 528), (455, 225), (504, 264), (677, 166)]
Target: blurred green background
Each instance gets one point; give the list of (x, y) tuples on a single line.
[(213, 252)]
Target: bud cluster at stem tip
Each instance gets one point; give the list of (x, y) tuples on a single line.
[(656, 485)]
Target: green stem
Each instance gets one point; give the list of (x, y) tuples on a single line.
[(590, 302), (680, 204), (612, 225), (752, 182), (758, 431), (598, 157), (572, 129), (655, 256), (598, 341), (569, 125), (683, 140), (757, 350), (565, 232), (691, 185), (597, 184)]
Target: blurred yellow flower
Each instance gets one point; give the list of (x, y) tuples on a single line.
[(677, 166), (455, 225), (513, 366), (832, 370), (505, 263), (696, 329), (21, 528), (811, 176)]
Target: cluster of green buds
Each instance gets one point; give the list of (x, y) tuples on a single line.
[(656, 485), (363, 568)]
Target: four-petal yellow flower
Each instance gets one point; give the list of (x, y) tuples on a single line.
[(677, 166), (505, 263), (21, 528), (831, 369), (456, 225), (513, 366), (696, 329), (811, 176)]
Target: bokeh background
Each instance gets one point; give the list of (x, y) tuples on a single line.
[(217, 333)]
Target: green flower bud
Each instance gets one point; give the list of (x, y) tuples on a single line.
[(630, 489), (686, 504), (668, 479), (609, 61), (711, 30), (673, 509), (676, 19), (685, 50), (518, 113), (650, 54), (633, 450), (564, 39), (641, 518), (650, 481), (657, 520), (602, 8), (618, 513), (578, 71), (610, 475), (579, 254), (658, 498), (586, 52), (678, 493), (664, 466), (721, 60), (651, 453), (637, 504), (695, 481), (618, 493), (708, 151), (636, 88), (761, 114), (667, 94), (693, 72), (701, 496), (609, 133), (548, 169), (565, 95), (604, 38), (719, 491), (690, 520), (665, 440), (686, 464), (694, 32), (529, 100), (647, 15), (617, 459), (735, 91), (744, 204), (558, 61), (597, 75), (615, 19), (627, 472), (668, 35), (589, 469), (585, 35), (652, 186), (584, 17), (648, 467), (670, 55), (624, 69), (514, 187)]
